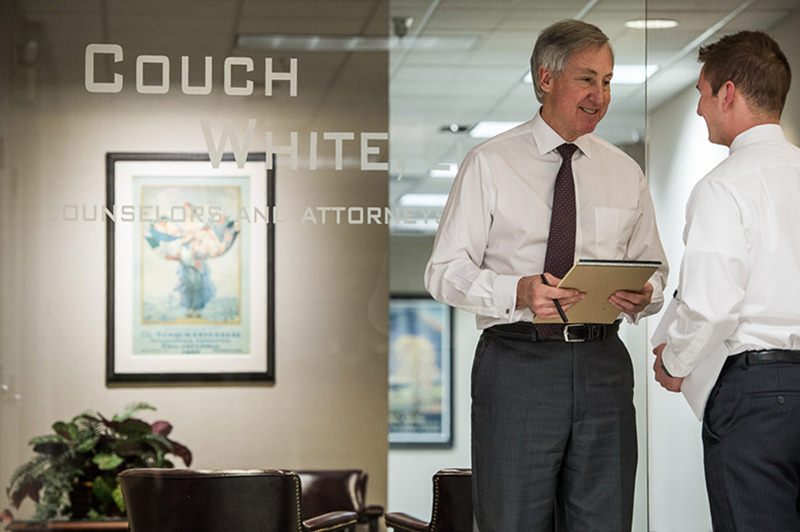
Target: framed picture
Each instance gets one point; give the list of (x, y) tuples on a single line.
[(420, 372), (190, 268)]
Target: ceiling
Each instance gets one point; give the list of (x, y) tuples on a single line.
[(461, 61), (431, 89)]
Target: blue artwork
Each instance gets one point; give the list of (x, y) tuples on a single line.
[(419, 371), (192, 272), (192, 244)]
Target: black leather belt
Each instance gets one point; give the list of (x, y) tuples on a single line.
[(767, 356), (573, 332)]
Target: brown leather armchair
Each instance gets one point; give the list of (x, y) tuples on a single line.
[(452, 505), (338, 489), (184, 500)]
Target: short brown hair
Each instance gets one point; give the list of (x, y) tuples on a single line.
[(754, 62)]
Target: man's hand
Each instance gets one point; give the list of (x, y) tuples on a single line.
[(533, 294), (632, 303), (673, 384)]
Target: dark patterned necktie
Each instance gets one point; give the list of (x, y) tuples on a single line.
[(560, 253)]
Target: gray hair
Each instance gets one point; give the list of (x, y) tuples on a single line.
[(558, 42)]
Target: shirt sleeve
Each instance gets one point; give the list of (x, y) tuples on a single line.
[(455, 274), (713, 278), (645, 244)]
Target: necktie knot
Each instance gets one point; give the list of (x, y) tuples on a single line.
[(566, 150)]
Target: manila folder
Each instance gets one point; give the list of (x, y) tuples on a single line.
[(598, 279)]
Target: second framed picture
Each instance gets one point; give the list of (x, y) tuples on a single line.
[(420, 372), (190, 273)]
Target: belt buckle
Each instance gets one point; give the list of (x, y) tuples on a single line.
[(566, 333)]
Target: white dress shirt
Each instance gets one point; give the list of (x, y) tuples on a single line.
[(739, 285), (494, 228)]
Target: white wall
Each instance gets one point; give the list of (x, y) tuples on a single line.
[(787, 36), (679, 155)]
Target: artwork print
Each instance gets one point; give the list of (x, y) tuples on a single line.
[(191, 271), (193, 268), (193, 244), (420, 376)]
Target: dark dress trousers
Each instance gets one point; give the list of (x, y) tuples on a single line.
[(751, 444), (553, 434)]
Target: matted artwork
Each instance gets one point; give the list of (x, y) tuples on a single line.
[(420, 374), (190, 270)]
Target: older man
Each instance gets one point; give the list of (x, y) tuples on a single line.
[(553, 423), (739, 291)]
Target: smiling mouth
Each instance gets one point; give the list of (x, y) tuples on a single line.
[(590, 111)]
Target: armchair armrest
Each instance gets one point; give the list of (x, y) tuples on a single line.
[(330, 522), (373, 510), (370, 515), (402, 521)]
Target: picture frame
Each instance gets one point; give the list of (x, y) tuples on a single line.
[(420, 372), (190, 268)]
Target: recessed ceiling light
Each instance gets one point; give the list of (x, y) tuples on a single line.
[(623, 74), (632, 74), (449, 170), (423, 200), (490, 128), (652, 23), (317, 43)]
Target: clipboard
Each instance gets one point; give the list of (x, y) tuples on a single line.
[(598, 279)]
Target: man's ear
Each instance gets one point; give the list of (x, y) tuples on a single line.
[(545, 79), (726, 94)]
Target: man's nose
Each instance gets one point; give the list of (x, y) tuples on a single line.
[(599, 94)]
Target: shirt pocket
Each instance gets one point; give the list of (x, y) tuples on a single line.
[(613, 229)]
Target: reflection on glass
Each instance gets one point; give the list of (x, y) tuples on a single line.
[(485, 85), (84, 79), (679, 154)]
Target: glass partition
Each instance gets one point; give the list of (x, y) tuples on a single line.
[(478, 74), (679, 154), (459, 75), (154, 251)]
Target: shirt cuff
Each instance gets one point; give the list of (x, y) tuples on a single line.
[(504, 295), (673, 365)]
